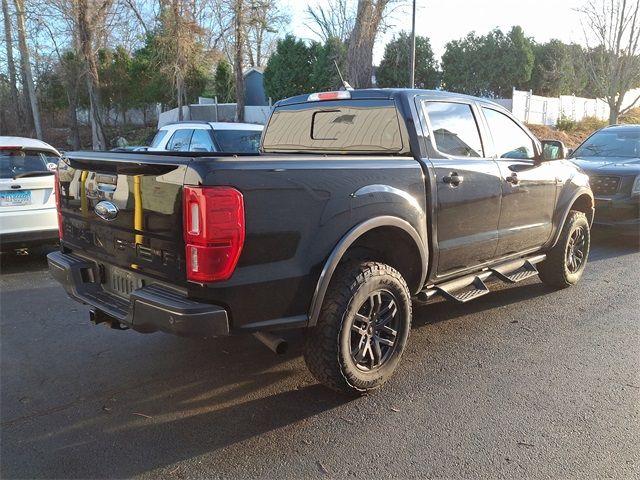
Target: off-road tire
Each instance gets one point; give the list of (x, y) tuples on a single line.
[(328, 350), (555, 271)]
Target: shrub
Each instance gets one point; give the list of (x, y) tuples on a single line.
[(566, 124), (590, 124), (632, 116)]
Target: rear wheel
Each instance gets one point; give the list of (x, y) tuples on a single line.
[(566, 261), (362, 329)]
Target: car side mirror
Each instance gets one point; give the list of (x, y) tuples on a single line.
[(553, 150), (569, 152)]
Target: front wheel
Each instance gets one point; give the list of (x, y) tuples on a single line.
[(362, 329), (566, 261)]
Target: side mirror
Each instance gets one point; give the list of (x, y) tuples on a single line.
[(553, 150), (569, 152)]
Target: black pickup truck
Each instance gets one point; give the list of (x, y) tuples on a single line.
[(359, 202)]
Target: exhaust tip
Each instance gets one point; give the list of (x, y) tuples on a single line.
[(275, 344), (282, 347)]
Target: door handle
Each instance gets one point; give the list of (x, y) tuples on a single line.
[(513, 178), (453, 179)]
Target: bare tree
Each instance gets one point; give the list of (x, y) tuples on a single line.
[(91, 15), (27, 76), (11, 66), (263, 20), (614, 62), (335, 20), (179, 45), (238, 64), (369, 17), (71, 76)]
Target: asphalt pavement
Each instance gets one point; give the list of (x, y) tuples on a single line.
[(524, 383)]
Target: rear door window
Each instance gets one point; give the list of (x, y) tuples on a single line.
[(454, 129), (201, 141), (180, 140)]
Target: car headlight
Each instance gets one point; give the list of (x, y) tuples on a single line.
[(636, 186)]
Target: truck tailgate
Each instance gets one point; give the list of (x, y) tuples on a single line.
[(125, 210)]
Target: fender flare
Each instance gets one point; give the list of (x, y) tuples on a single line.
[(343, 245), (580, 192)]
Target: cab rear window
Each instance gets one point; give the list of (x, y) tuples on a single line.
[(356, 126)]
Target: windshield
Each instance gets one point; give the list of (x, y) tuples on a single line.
[(610, 143), (18, 162), (238, 141), (158, 138)]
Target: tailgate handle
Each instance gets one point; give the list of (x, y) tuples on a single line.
[(106, 178)]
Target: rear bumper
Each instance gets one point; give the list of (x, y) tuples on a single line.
[(27, 238), (148, 309), (20, 228)]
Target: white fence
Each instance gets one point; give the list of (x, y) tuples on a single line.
[(538, 110), (139, 117), (221, 112)]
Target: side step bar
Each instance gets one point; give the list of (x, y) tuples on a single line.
[(470, 287)]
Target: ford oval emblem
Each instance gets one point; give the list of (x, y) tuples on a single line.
[(106, 210)]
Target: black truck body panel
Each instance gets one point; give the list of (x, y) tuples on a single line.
[(303, 212)]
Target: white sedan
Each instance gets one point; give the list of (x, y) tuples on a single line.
[(27, 195), (195, 136)]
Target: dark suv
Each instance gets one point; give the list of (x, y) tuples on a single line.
[(611, 158)]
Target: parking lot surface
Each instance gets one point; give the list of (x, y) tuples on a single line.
[(523, 383)]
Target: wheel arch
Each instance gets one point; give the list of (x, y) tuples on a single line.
[(376, 239), (581, 201)]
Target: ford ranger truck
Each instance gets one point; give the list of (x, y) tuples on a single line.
[(359, 202)]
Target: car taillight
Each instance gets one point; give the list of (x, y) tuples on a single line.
[(213, 232), (56, 183)]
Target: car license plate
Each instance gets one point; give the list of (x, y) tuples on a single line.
[(15, 199)]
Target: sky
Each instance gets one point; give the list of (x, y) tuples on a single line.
[(445, 20)]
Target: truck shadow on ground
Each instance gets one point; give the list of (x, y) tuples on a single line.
[(203, 396)]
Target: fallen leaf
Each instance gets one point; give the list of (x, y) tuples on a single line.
[(322, 468), (394, 409), (524, 444)]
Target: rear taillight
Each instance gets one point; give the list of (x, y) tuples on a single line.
[(213, 232), (56, 183)]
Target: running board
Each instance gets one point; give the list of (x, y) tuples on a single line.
[(470, 287), (526, 270)]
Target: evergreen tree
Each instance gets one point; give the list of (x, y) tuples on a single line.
[(288, 69), (394, 67), (223, 82), (324, 75)]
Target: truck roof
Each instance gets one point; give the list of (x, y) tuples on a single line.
[(389, 93)]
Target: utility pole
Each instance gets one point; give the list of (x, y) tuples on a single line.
[(412, 67)]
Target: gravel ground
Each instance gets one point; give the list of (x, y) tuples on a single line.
[(523, 383)]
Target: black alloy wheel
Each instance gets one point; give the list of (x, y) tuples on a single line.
[(374, 331)]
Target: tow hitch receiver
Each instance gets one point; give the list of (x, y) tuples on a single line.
[(98, 316)]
